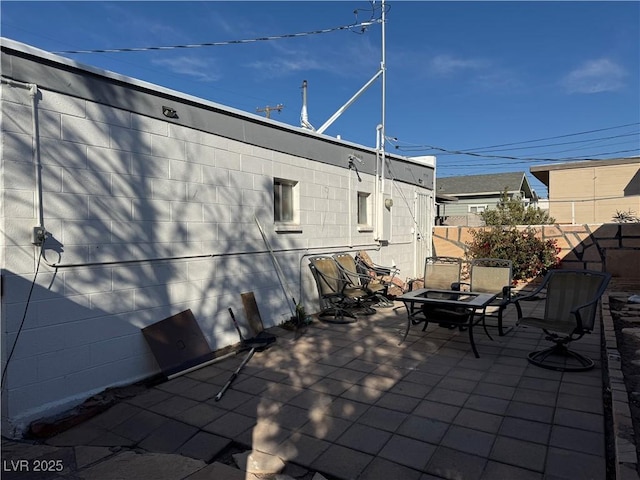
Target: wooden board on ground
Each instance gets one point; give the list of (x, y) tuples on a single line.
[(177, 343), (252, 313)]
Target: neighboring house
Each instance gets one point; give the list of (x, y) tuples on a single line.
[(591, 191), (477, 193), (146, 198)]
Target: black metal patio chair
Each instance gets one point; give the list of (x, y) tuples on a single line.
[(570, 308), (338, 300), (493, 275), (374, 289)]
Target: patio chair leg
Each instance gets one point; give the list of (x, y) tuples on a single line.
[(338, 315), (501, 331), (538, 358), (383, 302)]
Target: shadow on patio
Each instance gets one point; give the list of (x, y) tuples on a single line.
[(350, 403)]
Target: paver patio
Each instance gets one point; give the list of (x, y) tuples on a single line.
[(351, 403)]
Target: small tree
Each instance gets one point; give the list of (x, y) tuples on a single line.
[(511, 211), (531, 256)]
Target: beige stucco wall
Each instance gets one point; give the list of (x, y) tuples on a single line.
[(592, 194), (610, 247)]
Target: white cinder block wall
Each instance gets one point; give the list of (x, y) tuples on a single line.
[(147, 217)]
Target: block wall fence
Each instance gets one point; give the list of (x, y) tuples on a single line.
[(610, 247)]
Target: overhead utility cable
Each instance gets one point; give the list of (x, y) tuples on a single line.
[(573, 142), (489, 161), (478, 149), (531, 159), (553, 138), (361, 25)]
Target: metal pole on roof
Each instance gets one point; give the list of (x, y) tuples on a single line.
[(343, 108), (381, 127), (383, 69), (379, 73)]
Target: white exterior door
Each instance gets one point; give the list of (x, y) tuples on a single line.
[(423, 230)]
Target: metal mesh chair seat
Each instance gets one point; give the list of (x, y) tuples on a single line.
[(570, 308), (493, 275), (441, 273)]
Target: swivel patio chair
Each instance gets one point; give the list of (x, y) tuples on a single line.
[(338, 301), (493, 275), (373, 288), (387, 276), (570, 308)]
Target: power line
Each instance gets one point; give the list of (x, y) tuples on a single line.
[(636, 134), (485, 155), (587, 144), (528, 159), (488, 162), (361, 25), (533, 141)]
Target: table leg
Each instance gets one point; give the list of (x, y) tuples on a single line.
[(484, 323), (473, 344), (409, 308)]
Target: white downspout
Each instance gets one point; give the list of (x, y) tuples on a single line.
[(376, 192), (383, 108), (35, 144)]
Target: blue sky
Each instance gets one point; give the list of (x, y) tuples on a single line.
[(461, 76)]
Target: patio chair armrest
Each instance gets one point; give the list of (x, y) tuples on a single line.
[(457, 286), (380, 270), (524, 298), (364, 278), (531, 295), (578, 316), (507, 291)]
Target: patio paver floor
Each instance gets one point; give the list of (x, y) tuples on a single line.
[(349, 402)]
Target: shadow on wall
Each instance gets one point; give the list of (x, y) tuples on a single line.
[(63, 347), (142, 224), (633, 187)]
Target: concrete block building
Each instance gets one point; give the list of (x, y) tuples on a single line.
[(124, 203)]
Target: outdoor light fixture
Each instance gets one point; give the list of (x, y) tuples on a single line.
[(169, 112)]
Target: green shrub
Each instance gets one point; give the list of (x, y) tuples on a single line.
[(511, 211), (531, 256)]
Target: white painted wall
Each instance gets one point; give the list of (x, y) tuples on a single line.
[(146, 219)]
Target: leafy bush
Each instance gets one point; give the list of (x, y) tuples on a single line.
[(531, 256), (511, 211)]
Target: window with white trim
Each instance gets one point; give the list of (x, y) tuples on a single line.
[(285, 201), (364, 212), (477, 209)]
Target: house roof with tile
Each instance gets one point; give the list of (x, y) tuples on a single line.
[(484, 185)]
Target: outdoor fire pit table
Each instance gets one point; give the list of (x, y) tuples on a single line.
[(453, 307)]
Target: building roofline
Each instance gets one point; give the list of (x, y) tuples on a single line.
[(68, 64), (541, 172)]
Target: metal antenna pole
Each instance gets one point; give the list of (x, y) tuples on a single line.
[(381, 135), (383, 108), (383, 68), (268, 109)]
